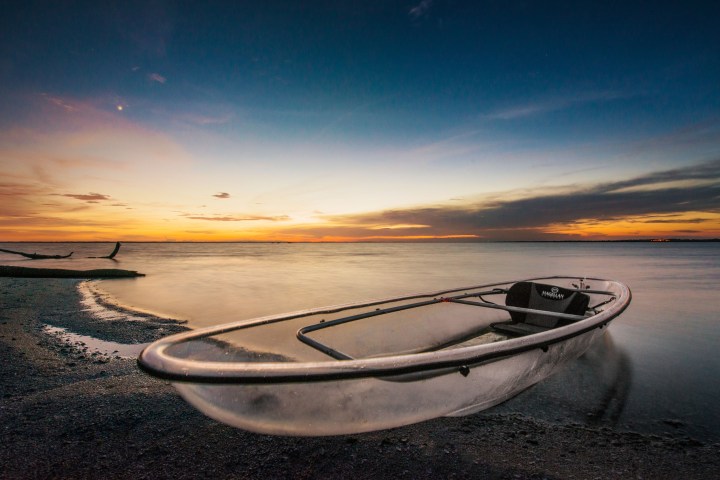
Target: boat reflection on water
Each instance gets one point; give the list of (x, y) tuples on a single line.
[(611, 366), (593, 390)]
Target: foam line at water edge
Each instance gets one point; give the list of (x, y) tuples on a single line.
[(104, 306)]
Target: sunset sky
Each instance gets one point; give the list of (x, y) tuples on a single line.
[(359, 120)]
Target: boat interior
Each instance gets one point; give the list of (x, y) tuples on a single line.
[(533, 308)]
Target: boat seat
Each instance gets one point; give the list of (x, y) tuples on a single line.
[(539, 296)]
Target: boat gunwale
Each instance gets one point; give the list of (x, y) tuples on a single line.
[(155, 361)]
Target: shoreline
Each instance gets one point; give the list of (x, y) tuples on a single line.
[(66, 413)]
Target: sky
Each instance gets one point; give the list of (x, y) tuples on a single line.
[(377, 120)]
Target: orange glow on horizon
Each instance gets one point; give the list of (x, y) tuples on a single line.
[(105, 222), (122, 228), (687, 225)]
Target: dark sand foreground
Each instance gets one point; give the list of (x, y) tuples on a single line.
[(65, 413)]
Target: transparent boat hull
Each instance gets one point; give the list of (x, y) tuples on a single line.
[(464, 369)]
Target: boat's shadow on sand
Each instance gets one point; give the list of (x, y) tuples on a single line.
[(592, 391)]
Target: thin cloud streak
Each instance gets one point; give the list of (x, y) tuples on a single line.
[(205, 120), (420, 9), (90, 197), (156, 77), (679, 221), (552, 105), (239, 218)]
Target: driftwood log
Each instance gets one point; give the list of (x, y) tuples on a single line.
[(35, 256), (27, 272), (114, 252), (38, 256)]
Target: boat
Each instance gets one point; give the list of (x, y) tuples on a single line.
[(381, 364)]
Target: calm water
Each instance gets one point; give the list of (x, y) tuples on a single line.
[(657, 369)]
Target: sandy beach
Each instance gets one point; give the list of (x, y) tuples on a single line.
[(68, 413)]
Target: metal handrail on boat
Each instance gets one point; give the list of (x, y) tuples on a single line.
[(336, 354)]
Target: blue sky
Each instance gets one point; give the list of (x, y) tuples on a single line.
[(369, 120)]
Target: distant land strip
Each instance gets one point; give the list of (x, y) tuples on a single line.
[(259, 242), (27, 272), (631, 240)]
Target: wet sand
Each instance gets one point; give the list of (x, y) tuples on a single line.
[(68, 413)]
